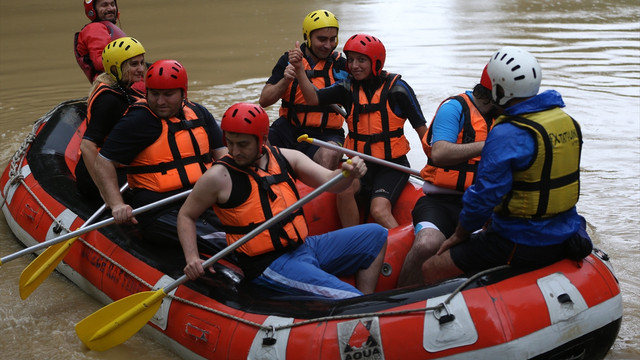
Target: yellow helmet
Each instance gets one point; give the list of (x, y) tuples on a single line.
[(315, 20), (117, 52)]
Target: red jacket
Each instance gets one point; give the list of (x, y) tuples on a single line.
[(89, 43)]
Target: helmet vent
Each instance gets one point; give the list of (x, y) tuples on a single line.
[(533, 70)]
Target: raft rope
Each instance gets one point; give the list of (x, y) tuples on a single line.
[(15, 176)]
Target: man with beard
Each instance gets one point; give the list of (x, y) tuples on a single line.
[(89, 42), (256, 181)]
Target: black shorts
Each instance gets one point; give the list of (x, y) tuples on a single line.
[(383, 181), (285, 135), (442, 210), (487, 249)]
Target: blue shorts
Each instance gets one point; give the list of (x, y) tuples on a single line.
[(314, 267), (284, 134)]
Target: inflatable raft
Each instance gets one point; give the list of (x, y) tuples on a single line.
[(567, 310)]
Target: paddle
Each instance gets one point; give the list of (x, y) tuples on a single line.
[(43, 265), (365, 157), (94, 226), (118, 321)]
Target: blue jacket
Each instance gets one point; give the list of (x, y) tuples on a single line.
[(507, 149)]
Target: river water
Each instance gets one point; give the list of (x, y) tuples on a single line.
[(589, 51)]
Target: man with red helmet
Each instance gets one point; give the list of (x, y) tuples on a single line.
[(256, 181), (89, 42), (378, 104), (324, 66), (166, 143), (452, 144)]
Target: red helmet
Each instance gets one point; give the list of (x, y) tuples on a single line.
[(90, 9), (245, 118), (369, 46), (167, 74), (484, 79)]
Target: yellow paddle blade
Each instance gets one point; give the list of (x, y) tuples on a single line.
[(43, 265), (115, 323)]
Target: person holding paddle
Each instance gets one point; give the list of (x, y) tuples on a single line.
[(527, 184), (255, 182), (324, 66), (378, 104), (452, 144), (166, 143)]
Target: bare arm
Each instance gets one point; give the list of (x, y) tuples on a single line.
[(307, 88), (213, 186), (273, 92), (445, 153), (89, 151), (107, 181), (314, 174)]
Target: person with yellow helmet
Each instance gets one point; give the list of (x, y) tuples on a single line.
[(89, 42), (110, 96), (378, 104), (324, 66)]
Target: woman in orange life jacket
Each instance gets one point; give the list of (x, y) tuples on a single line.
[(256, 181), (109, 98), (378, 104), (166, 142)]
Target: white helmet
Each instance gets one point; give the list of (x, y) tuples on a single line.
[(516, 72)]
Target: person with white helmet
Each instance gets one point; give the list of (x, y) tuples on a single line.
[(378, 104), (324, 66), (110, 96), (527, 184), (89, 42)]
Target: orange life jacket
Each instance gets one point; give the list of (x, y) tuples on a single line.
[(177, 158), (102, 88), (295, 108), (373, 127), (74, 143), (271, 192), (460, 176)]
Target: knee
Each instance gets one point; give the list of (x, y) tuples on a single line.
[(380, 209), (426, 244)]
